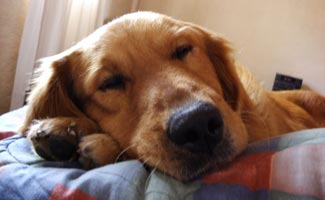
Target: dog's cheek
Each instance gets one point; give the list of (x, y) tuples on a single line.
[(154, 152), (147, 148), (108, 122), (149, 136), (235, 128)]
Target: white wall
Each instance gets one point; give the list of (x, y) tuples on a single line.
[(286, 36)]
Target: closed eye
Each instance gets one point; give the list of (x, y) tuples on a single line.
[(181, 51), (117, 81)]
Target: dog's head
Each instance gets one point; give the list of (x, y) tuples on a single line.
[(165, 90)]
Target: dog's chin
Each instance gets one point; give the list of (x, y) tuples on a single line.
[(189, 166)]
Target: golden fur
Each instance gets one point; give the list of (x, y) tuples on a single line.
[(75, 98)]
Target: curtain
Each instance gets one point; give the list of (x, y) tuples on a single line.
[(12, 17), (52, 26)]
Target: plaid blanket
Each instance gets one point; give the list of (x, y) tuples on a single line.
[(286, 167)]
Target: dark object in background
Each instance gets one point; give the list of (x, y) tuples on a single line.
[(284, 82)]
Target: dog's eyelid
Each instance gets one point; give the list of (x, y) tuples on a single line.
[(117, 81), (182, 51)]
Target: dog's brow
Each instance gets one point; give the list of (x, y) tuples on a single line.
[(109, 64), (182, 29)]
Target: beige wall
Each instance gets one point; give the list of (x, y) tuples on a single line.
[(12, 15), (286, 36)]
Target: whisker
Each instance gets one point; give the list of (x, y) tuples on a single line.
[(144, 161), (123, 151), (151, 173)]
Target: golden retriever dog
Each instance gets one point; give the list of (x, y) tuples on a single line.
[(163, 91)]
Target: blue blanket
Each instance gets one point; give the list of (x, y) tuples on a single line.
[(286, 167)]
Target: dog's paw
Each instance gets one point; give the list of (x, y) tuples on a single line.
[(54, 139), (97, 150)]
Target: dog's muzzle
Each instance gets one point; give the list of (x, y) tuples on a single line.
[(197, 127)]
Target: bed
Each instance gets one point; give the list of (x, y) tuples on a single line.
[(286, 167)]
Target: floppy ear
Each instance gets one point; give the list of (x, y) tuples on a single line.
[(219, 53), (53, 94)]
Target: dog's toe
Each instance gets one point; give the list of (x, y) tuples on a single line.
[(55, 147), (61, 148), (43, 153), (97, 150), (53, 144)]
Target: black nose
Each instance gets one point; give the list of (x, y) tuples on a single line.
[(197, 127)]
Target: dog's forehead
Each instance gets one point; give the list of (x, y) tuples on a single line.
[(143, 28), (135, 31), (141, 16), (137, 35), (138, 31), (134, 43)]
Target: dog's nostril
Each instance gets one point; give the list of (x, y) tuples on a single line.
[(192, 137), (212, 126), (197, 127), (215, 128)]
